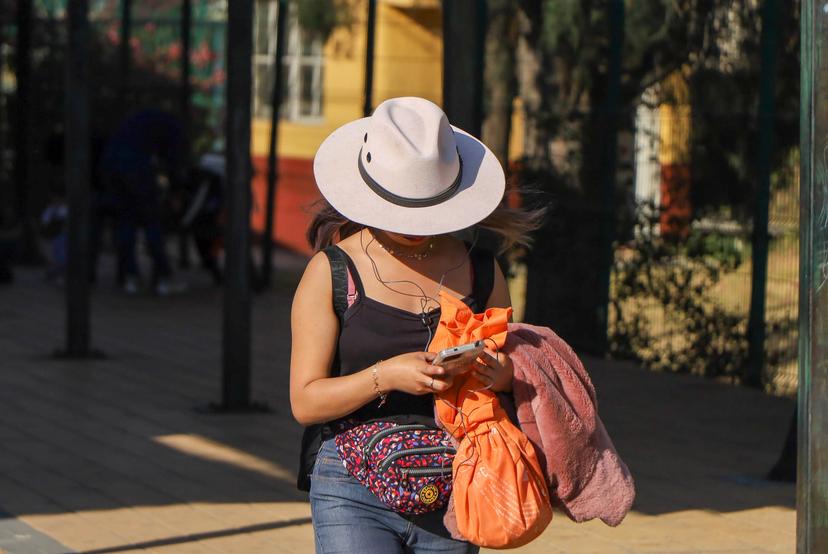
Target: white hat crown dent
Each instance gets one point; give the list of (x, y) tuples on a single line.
[(409, 148)]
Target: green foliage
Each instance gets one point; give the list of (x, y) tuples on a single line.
[(666, 286), (724, 95), (562, 23), (728, 250), (321, 17)]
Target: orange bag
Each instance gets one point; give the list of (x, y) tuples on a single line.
[(500, 495)]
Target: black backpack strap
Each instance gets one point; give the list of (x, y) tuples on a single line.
[(339, 280), (314, 434), (482, 262)]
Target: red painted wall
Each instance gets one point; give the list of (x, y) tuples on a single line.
[(677, 210), (295, 192)]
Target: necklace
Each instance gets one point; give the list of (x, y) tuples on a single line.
[(424, 298), (410, 256)]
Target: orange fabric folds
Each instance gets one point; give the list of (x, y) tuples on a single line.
[(500, 495)]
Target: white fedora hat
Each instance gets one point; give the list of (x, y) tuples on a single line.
[(406, 170)]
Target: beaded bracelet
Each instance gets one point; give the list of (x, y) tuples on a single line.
[(383, 396)]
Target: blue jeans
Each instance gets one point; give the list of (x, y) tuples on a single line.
[(348, 518)]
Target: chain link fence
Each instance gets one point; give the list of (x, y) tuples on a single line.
[(680, 294)]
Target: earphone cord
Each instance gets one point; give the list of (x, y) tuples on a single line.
[(424, 298)]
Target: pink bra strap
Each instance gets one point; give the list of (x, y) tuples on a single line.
[(352, 292)]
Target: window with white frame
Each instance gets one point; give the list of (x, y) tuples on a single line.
[(302, 65)]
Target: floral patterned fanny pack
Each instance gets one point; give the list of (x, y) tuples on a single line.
[(406, 466)]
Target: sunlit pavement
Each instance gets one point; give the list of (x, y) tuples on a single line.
[(116, 455)]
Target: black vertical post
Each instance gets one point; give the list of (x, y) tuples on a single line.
[(77, 180), (759, 275), (185, 92), (4, 102), (812, 458), (6, 209), (272, 160), (370, 35), (464, 33), (610, 109), (124, 55), (23, 126), (236, 371)]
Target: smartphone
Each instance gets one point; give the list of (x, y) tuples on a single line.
[(458, 359)]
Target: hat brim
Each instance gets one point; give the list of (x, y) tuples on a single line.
[(337, 175)]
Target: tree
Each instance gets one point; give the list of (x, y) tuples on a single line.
[(562, 69), (499, 84)]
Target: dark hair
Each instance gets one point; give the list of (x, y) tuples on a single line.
[(328, 226), (510, 222)]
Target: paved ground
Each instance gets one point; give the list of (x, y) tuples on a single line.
[(114, 455)]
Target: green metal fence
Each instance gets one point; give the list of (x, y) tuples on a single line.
[(681, 303)]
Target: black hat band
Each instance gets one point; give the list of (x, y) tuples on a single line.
[(406, 202)]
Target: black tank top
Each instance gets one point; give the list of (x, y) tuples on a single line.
[(370, 331)]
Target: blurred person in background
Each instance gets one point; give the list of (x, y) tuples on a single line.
[(202, 211), (55, 216), (53, 227), (144, 158)]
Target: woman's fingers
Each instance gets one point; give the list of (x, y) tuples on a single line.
[(485, 377), (435, 384), (433, 371), (490, 358), (480, 367), (436, 379), (486, 374), (439, 385)]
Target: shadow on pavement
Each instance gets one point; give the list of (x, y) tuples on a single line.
[(200, 536)]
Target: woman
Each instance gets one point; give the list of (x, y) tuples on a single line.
[(398, 185)]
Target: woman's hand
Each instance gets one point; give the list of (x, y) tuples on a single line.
[(494, 370), (413, 373)]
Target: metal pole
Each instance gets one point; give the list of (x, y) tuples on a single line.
[(184, 108), (77, 181), (6, 210), (812, 459), (272, 161), (23, 126), (611, 107), (124, 54), (370, 32), (754, 375), (464, 25), (236, 374), (185, 90)]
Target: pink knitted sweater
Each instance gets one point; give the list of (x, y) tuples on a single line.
[(558, 412)]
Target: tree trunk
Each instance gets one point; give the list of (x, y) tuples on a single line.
[(499, 78), (530, 78), (564, 158)]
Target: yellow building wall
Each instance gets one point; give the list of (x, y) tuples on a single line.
[(409, 53), (407, 62), (343, 73), (675, 121)]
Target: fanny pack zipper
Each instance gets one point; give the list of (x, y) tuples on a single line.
[(384, 464), (390, 431), (422, 471)]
